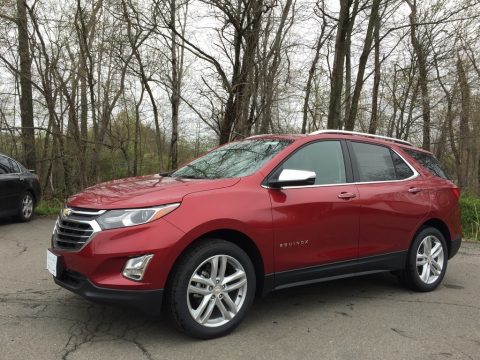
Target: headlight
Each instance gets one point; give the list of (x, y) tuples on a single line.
[(129, 217)]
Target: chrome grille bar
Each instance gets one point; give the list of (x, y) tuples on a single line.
[(74, 228)]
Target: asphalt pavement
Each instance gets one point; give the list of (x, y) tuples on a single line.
[(360, 318)]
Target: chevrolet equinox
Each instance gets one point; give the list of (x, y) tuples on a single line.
[(261, 214)]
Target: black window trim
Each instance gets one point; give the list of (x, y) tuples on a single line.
[(356, 173), (349, 176)]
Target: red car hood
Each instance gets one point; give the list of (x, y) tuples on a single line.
[(143, 191)]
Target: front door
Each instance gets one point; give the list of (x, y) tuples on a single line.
[(317, 224)]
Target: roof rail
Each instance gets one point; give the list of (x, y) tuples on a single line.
[(332, 131), (258, 136)]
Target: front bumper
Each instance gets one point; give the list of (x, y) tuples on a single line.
[(102, 260), (148, 301)]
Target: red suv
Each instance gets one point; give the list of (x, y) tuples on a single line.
[(261, 214)]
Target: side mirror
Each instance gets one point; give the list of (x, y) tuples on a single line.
[(290, 177)]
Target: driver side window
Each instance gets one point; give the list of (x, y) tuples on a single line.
[(325, 158)]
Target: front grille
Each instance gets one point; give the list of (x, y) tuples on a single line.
[(73, 231)]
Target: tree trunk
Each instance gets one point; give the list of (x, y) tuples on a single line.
[(308, 89), (336, 84), (175, 97), (372, 129), (419, 50), (26, 100), (348, 62), (372, 23), (465, 135)]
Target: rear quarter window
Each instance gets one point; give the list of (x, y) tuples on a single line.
[(429, 162)]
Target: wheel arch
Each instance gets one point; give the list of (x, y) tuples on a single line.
[(34, 196), (441, 226), (242, 241)]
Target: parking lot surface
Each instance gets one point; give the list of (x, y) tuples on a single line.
[(359, 318)]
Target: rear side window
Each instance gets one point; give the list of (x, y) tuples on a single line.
[(429, 162), (14, 166), (374, 162), (325, 158), (402, 170)]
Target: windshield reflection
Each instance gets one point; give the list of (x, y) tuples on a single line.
[(236, 159)]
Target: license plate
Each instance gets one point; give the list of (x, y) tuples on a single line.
[(52, 263)]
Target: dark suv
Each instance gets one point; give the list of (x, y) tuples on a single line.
[(261, 214)]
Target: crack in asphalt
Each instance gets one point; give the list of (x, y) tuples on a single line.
[(98, 327), (403, 333), (21, 246)]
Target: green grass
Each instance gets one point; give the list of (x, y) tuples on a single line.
[(49, 207), (470, 208)]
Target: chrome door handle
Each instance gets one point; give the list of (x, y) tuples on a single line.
[(346, 195), (414, 190)]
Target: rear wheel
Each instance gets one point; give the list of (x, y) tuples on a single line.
[(427, 261), (26, 207), (212, 289)]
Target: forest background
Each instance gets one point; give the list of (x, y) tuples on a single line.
[(92, 90)]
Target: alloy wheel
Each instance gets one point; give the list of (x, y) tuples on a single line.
[(27, 206), (430, 259), (217, 290)]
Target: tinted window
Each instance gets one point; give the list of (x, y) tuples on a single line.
[(236, 159), (5, 167), (325, 158), (429, 162), (14, 166), (402, 170), (374, 162)]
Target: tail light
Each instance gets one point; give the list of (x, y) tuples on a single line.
[(456, 192)]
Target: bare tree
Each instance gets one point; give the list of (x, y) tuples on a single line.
[(26, 100)]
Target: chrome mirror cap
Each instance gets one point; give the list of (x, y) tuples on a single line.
[(290, 177)]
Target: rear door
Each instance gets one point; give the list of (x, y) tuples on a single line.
[(317, 224), (393, 201)]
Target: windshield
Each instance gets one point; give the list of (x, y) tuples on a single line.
[(236, 159)]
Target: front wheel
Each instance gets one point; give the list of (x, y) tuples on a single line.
[(427, 261), (212, 289), (26, 207)]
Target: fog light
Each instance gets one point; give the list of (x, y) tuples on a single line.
[(135, 267)]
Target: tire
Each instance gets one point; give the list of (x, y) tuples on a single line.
[(427, 261), (26, 207), (204, 305)]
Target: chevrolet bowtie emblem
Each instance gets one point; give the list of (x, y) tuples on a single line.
[(66, 212)]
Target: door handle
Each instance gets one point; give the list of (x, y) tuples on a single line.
[(346, 195), (414, 190)]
